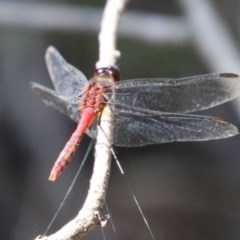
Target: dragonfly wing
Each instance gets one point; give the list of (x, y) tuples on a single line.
[(139, 128), (67, 79), (65, 105), (178, 95)]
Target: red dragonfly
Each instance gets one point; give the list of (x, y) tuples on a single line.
[(146, 111)]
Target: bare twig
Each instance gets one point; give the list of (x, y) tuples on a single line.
[(88, 217), (107, 37)]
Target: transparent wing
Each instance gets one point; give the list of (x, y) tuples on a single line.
[(68, 106), (65, 105), (178, 95), (67, 79), (139, 128)]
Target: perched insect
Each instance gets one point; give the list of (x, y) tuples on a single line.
[(146, 111)]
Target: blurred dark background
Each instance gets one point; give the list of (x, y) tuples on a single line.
[(187, 190)]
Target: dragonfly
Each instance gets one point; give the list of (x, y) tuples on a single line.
[(145, 111)]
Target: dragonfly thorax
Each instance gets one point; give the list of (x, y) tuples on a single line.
[(94, 94)]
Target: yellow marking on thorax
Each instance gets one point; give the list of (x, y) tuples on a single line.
[(106, 111)]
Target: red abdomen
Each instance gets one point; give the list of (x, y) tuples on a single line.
[(88, 116)]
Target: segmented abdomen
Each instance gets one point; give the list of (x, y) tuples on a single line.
[(88, 116)]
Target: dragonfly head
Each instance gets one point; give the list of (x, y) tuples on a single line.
[(107, 72)]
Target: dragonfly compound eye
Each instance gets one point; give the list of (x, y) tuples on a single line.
[(109, 71)]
